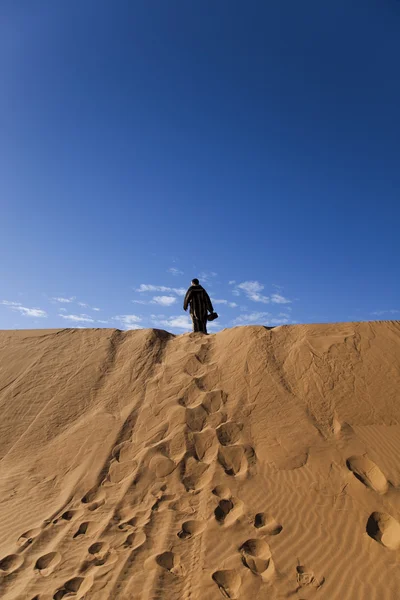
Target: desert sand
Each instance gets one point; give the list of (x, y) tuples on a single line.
[(249, 464)]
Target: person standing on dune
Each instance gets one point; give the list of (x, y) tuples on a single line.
[(200, 304)]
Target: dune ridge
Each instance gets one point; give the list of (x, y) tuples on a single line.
[(253, 463)]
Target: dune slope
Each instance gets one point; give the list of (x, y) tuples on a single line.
[(250, 464)]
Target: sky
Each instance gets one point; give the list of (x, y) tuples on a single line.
[(254, 145)]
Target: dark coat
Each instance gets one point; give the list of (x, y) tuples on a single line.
[(199, 302)]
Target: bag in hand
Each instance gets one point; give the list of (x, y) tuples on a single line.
[(212, 316)]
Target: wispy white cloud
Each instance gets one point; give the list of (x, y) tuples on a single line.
[(279, 299), (175, 272), (144, 287), (164, 300), (252, 290), (379, 313), (251, 318), (206, 276), (129, 321), (24, 310), (77, 318), (139, 302), (64, 300), (222, 301), (101, 321), (8, 303), (31, 312), (232, 282), (86, 305), (259, 318), (62, 309), (181, 322)]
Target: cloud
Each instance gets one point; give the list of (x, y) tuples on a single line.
[(379, 313), (100, 321), (144, 287), (85, 305), (175, 271), (252, 290), (31, 312), (279, 299), (129, 321), (62, 309), (7, 303), (77, 318), (64, 300), (25, 311), (164, 300), (250, 318), (255, 318), (222, 301), (182, 322), (231, 282), (139, 302), (207, 275)]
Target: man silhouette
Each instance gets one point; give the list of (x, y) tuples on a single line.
[(200, 304)]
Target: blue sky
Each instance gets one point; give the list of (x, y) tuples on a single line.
[(146, 143)]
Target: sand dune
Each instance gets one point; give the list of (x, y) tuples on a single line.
[(250, 464)]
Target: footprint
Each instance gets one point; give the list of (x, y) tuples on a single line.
[(98, 548), (205, 445), (79, 586), (87, 527), (212, 401), (124, 452), (95, 505), (161, 465), (229, 583), (118, 471), (126, 525), (384, 529), (92, 495), (368, 473), (46, 564), (229, 433), (228, 510), (192, 365), (135, 540), (222, 491), (160, 435), (195, 474), (11, 563), (231, 459), (28, 536), (306, 577), (68, 515), (270, 525), (196, 418), (191, 529), (170, 562), (256, 556)]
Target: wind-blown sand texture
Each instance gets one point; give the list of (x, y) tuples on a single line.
[(250, 464)]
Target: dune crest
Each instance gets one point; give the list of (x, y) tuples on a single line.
[(248, 464)]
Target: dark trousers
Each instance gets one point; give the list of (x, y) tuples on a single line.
[(199, 324)]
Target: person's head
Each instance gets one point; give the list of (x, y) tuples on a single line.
[(195, 282)]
